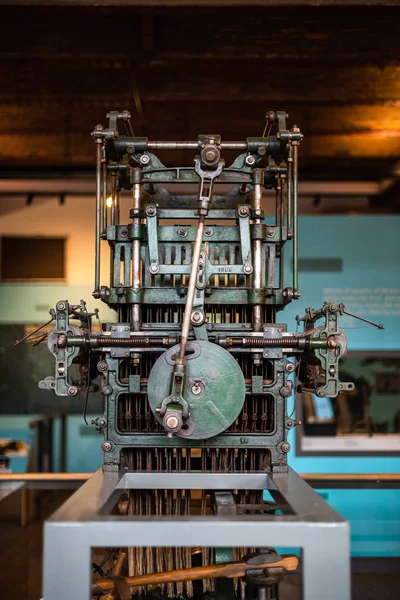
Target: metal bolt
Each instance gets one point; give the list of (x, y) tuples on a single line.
[(261, 150), (285, 391), (172, 422), (130, 149), (333, 307), (321, 392), (290, 367), (150, 210), (72, 390), (211, 155), (270, 232), (61, 306), (61, 370), (250, 160), (289, 424), (154, 268), (285, 447), (182, 232), (248, 269), (243, 210), (208, 232), (102, 366), (145, 159), (196, 388), (107, 390), (106, 446), (123, 233), (197, 317)]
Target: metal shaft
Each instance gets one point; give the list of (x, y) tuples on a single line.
[(191, 287), (289, 192), (98, 217), (136, 309), (257, 260), (295, 224)]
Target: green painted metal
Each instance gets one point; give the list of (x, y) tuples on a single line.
[(214, 388), (150, 265)]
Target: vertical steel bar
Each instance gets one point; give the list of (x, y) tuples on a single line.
[(98, 217), (104, 194), (113, 192), (257, 259), (289, 192), (136, 205), (295, 224)]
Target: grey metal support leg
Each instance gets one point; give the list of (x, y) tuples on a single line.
[(84, 522)]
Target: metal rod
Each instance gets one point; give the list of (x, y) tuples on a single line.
[(378, 325), (191, 287), (278, 203), (113, 186), (136, 205), (257, 260), (99, 152), (289, 192), (194, 145), (104, 195), (295, 224)]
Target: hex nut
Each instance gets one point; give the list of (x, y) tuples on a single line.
[(145, 159), (250, 160), (72, 390), (290, 367), (270, 232), (61, 305), (285, 447)]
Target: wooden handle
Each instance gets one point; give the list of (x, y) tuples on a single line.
[(232, 569)]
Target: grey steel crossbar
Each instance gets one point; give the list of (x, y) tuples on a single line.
[(80, 525)]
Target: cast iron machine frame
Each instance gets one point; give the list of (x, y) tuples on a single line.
[(196, 360)]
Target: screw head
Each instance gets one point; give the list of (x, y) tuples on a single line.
[(72, 390), (196, 388), (154, 268), (250, 160), (182, 232), (197, 317), (270, 232), (208, 232), (123, 232), (106, 446), (290, 367), (321, 392), (130, 149), (285, 447), (61, 305), (145, 159), (261, 150), (243, 210), (211, 155), (333, 307), (150, 210), (248, 269), (107, 390), (172, 422), (285, 391)]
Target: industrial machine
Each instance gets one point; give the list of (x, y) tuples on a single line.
[(196, 370)]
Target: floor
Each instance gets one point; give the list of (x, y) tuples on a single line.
[(21, 558)]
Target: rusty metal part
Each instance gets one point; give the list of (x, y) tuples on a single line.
[(289, 562)]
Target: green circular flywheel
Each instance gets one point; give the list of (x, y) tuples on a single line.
[(214, 388)]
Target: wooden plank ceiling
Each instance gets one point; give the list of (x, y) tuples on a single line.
[(335, 70)]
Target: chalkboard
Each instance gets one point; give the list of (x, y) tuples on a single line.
[(22, 367)]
